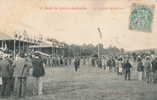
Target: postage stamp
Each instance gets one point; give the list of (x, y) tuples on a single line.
[(141, 17)]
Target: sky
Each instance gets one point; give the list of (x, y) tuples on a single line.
[(61, 20)]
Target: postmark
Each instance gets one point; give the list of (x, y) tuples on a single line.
[(141, 17)]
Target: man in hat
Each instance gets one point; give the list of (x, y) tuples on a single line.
[(21, 71), (127, 67), (5, 72), (147, 69), (76, 63), (140, 68), (154, 69), (38, 72)]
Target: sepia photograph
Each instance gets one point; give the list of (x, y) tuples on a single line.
[(78, 50)]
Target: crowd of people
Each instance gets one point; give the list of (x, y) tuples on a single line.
[(145, 66), (61, 61), (58, 61), (14, 71)]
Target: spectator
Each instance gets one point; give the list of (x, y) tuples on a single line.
[(38, 72), (109, 65), (127, 67), (147, 69), (21, 72), (154, 69), (140, 69), (119, 67), (5, 72), (76, 63)]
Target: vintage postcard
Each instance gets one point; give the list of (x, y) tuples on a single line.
[(78, 50)]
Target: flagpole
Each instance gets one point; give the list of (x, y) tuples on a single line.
[(2, 44), (100, 35), (98, 51), (14, 48), (19, 44)]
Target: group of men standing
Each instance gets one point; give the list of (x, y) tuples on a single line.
[(14, 73), (147, 69), (145, 66), (58, 61)]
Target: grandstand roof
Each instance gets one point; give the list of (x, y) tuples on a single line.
[(4, 36)]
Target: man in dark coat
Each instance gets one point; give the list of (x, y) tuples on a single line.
[(38, 72), (99, 62), (76, 63), (5, 72), (109, 64), (93, 62), (113, 64), (127, 67), (140, 69), (154, 69)]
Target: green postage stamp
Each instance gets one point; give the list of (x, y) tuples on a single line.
[(141, 17)]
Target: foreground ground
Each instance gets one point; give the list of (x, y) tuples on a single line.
[(91, 83)]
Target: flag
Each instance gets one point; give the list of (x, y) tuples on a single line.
[(100, 34)]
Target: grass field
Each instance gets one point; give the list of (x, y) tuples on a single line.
[(90, 83)]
